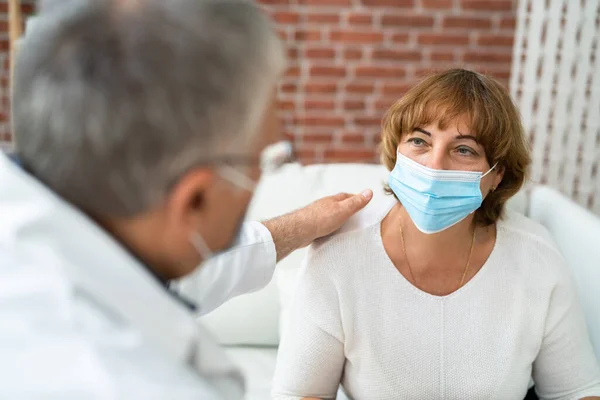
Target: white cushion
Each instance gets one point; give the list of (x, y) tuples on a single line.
[(577, 234)]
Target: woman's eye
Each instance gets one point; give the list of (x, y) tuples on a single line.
[(416, 141), (466, 151)]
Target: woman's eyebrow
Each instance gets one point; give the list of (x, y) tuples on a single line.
[(472, 137), (423, 131)]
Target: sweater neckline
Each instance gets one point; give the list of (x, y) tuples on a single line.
[(483, 271)]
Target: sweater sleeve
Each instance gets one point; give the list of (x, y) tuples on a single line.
[(566, 367), (311, 353)]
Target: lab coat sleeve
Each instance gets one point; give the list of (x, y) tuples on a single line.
[(247, 267)]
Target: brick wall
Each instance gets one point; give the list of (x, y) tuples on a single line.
[(350, 59), (27, 8)]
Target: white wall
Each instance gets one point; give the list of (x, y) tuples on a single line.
[(556, 84)]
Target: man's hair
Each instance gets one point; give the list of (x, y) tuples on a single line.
[(445, 97), (114, 100)]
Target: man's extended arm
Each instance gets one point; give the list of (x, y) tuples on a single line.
[(321, 218), (249, 265)]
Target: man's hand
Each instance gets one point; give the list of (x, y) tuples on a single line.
[(320, 218)]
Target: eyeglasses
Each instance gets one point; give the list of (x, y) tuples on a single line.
[(276, 155), (271, 159)]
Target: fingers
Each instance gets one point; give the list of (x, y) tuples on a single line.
[(357, 202), (341, 196)]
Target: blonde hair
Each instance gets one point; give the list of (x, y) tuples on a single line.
[(490, 114)]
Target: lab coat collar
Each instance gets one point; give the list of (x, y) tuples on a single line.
[(35, 219)]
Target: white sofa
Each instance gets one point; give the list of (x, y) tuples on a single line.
[(249, 324)]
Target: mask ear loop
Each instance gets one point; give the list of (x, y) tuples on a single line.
[(200, 245), (237, 178), (491, 169)]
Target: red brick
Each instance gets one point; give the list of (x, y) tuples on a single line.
[(286, 17), (383, 105), (400, 55), (308, 35), (380, 72), (400, 38), (349, 155), (26, 8), (487, 5), (323, 18), (411, 21), (353, 54), (293, 72), (467, 22), (320, 53), (288, 87), (315, 3), (480, 56), (437, 4), (292, 53), (362, 88), (499, 74), (287, 105), (337, 72), (496, 40), (398, 89), (426, 71), (389, 3), (319, 104), (367, 121), (354, 105), (317, 138), (306, 155), (353, 138), (356, 37), (360, 19), (440, 55), (321, 121), (443, 39), (317, 87), (509, 23)]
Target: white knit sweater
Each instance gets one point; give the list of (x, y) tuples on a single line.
[(357, 321)]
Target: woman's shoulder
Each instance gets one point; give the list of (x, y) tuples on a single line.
[(358, 236), (530, 244), (526, 230)]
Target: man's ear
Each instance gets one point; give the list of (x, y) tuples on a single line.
[(185, 202)]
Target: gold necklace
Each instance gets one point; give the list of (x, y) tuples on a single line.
[(462, 280)]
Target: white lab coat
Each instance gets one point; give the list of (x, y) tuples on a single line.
[(80, 318)]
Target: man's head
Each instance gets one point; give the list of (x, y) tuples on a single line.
[(129, 108)]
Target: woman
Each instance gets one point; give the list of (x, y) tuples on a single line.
[(444, 296)]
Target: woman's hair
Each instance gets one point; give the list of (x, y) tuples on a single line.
[(490, 115)]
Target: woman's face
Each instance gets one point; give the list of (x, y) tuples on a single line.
[(455, 148)]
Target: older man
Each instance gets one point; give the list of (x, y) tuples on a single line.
[(141, 128)]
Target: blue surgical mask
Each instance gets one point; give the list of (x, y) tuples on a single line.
[(435, 199)]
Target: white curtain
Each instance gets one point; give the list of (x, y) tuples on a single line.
[(555, 82)]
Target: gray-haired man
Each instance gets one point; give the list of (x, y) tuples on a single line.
[(140, 126)]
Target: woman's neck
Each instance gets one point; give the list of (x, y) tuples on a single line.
[(429, 249)]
